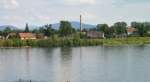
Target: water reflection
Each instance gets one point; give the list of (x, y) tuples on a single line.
[(78, 64), (28, 63), (66, 62)]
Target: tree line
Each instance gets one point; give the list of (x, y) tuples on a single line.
[(67, 30), (120, 28)]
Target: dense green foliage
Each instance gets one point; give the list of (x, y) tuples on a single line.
[(72, 42), (6, 31), (47, 30), (143, 27), (66, 35), (103, 28), (66, 28), (120, 28)]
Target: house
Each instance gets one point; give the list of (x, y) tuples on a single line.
[(1, 37), (41, 36), (123, 35), (95, 34), (26, 36), (131, 30), (11, 35)]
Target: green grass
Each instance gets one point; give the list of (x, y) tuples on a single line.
[(71, 42), (128, 41)]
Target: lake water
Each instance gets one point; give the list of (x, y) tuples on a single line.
[(77, 64)]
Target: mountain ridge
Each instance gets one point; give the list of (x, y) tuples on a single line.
[(74, 24), (2, 27)]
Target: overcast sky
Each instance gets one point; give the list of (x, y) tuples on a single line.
[(39, 12)]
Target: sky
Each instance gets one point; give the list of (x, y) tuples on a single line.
[(40, 12)]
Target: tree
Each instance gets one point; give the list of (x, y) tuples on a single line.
[(103, 28), (41, 30), (147, 26), (35, 31), (48, 30), (6, 31), (26, 28), (66, 28), (111, 31), (140, 27), (1, 33), (120, 28)]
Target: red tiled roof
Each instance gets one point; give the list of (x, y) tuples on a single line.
[(27, 35), (131, 29)]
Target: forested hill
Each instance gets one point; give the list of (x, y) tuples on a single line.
[(75, 25)]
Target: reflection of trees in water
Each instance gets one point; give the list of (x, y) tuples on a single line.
[(66, 54), (27, 54), (140, 47), (48, 52), (66, 62)]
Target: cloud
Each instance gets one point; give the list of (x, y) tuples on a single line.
[(10, 4), (15, 3), (39, 12), (88, 15), (11, 18), (88, 1), (43, 17), (80, 2)]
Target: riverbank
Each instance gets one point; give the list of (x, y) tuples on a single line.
[(127, 41), (72, 42)]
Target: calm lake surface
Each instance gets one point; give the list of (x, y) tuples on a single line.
[(77, 64)]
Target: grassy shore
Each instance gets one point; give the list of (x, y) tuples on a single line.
[(127, 41), (71, 42)]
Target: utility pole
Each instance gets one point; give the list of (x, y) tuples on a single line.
[(80, 23), (80, 26)]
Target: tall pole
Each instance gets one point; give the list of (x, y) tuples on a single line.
[(80, 23)]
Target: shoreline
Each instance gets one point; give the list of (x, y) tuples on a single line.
[(16, 43)]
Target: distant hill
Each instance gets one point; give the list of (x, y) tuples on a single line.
[(32, 27), (10, 26), (75, 25)]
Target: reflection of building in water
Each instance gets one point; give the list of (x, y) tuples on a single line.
[(28, 62)]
